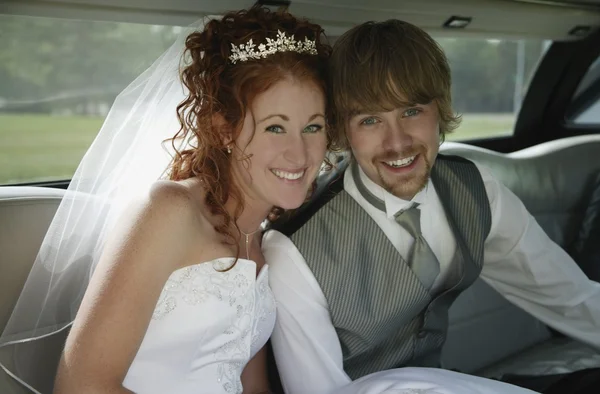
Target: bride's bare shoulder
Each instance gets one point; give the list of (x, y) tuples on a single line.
[(169, 209), (180, 201)]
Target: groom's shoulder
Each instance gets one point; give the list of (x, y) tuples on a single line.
[(304, 214), (452, 158)]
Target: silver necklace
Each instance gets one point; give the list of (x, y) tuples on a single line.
[(247, 239)]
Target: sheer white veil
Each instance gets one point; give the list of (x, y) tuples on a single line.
[(126, 157)]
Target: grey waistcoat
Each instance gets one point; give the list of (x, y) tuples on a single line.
[(383, 316)]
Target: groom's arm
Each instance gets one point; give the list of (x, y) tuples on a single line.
[(306, 347)]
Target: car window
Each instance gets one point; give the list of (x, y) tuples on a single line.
[(58, 79), (585, 104), (489, 80)]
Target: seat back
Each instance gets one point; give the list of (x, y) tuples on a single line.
[(554, 180), (25, 214)]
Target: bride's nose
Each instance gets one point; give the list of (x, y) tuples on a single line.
[(296, 151)]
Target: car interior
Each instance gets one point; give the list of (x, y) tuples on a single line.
[(550, 158)]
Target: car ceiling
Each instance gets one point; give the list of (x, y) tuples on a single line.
[(546, 19)]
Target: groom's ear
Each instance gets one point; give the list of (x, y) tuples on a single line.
[(223, 128)]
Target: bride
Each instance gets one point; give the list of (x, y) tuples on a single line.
[(179, 301)]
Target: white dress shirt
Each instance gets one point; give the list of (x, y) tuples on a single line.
[(520, 262)]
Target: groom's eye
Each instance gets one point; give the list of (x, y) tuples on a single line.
[(411, 112), (369, 121)]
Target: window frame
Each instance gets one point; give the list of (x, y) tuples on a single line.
[(587, 98)]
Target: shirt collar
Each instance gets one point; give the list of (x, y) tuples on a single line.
[(392, 203)]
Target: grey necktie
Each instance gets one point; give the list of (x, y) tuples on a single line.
[(421, 259)]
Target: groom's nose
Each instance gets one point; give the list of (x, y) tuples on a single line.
[(396, 137)]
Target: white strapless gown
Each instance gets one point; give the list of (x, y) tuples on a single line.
[(206, 326)]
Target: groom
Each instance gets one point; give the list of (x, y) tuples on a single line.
[(365, 277)]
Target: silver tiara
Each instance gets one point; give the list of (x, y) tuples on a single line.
[(283, 43)]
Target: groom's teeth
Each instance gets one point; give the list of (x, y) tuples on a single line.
[(288, 175), (402, 162)]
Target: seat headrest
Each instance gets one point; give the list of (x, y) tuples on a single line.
[(545, 176)]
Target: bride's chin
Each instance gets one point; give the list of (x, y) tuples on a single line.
[(289, 203), (288, 206)]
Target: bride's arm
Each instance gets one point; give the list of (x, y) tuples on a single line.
[(139, 256), (254, 377)]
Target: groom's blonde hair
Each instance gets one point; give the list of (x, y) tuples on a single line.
[(380, 66)]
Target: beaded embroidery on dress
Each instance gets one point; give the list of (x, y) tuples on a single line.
[(205, 328)]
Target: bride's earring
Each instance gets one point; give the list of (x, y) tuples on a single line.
[(228, 149)]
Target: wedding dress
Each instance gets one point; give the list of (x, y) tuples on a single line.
[(205, 328)]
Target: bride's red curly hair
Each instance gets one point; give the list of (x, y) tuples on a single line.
[(216, 86)]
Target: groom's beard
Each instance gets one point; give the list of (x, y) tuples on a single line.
[(405, 187)]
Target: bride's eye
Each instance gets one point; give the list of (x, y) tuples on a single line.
[(276, 129), (313, 128)]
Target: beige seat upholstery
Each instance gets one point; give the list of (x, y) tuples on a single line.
[(25, 214)]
